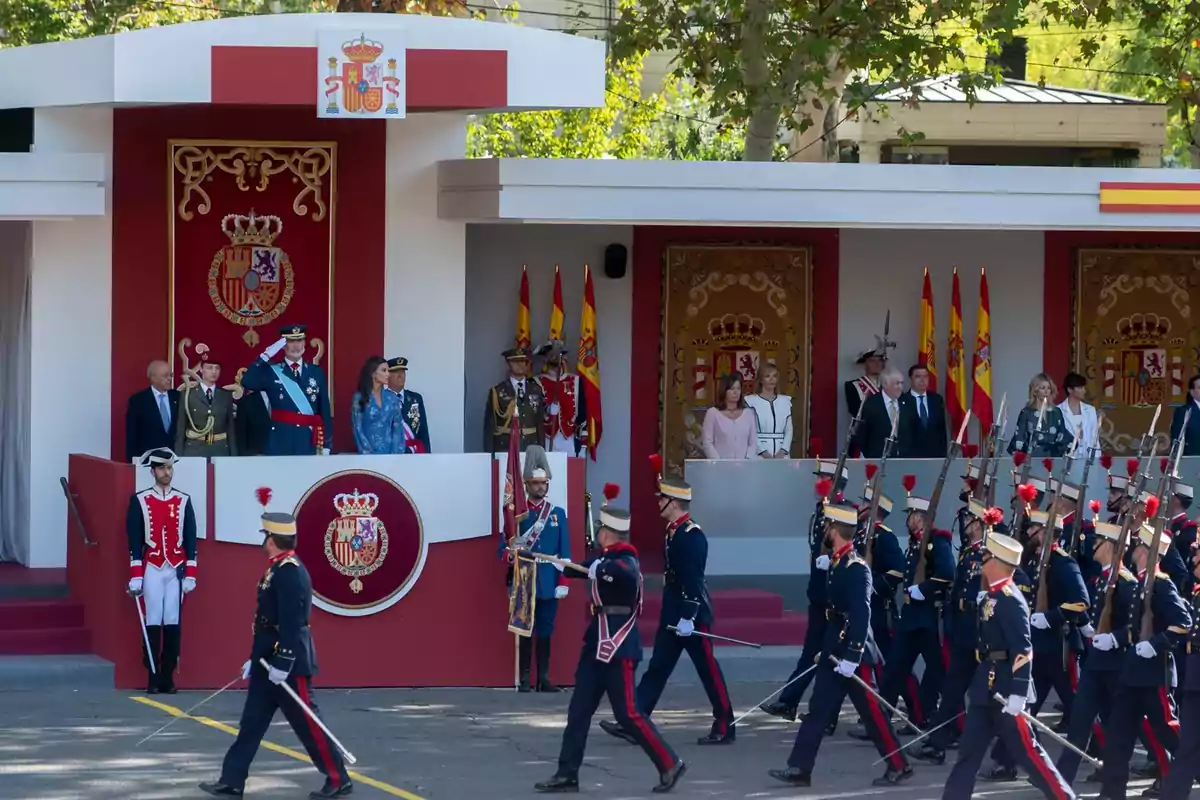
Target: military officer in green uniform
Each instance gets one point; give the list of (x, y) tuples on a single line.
[(517, 394), (206, 425)]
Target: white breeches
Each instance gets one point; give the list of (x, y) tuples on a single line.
[(160, 591), (565, 444)]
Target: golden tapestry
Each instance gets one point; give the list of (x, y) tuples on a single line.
[(732, 309), (1136, 339)]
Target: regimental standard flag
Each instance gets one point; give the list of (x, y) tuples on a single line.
[(956, 379), (556, 311), (981, 395), (927, 341), (522, 338), (516, 504), (588, 365), (1149, 198)]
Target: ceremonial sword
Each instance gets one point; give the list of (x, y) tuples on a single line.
[(914, 740), (718, 637), (350, 759), (1044, 728), (145, 633), (758, 705), (854, 676), (188, 713)]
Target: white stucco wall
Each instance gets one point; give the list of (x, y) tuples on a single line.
[(71, 328), (495, 254)]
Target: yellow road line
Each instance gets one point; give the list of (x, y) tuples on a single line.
[(395, 791)]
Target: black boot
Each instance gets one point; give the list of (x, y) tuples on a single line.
[(219, 789), (543, 665), (780, 709), (893, 777), (615, 729), (999, 774), (930, 754), (154, 634), (524, 653), (668, 779), (1155, 789), (170, 659), (715, 736), (792, 775), (558, 784), (329, 790)]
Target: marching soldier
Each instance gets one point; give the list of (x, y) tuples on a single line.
[(1067, 604), (1183, 534), (566, 410), (1005, 656), (847, 654), (517, 394), (918, 626), (612, 649), (206, 426), (544, 530), (281, 636), (1147, 672), (161, 527), (301, 422), (687, 607), (1186, 766), (818, 561), (412, 408), (1099, 680)]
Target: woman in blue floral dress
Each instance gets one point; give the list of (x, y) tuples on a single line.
[(375, 411)]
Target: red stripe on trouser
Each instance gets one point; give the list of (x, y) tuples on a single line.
[(718, 682), (1168, 709), (331, 771), (914, 695), (665, 762), (1039, 763), (1160, 753), (894, 760), (1073, 671), (1098, 732), (946, 654)]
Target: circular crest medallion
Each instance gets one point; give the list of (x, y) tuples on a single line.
[(250, 281), (360, 535)]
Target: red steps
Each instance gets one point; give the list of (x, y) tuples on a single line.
[(36, 618), (752, 615)]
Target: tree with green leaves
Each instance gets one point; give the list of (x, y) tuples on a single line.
[(788, 64)]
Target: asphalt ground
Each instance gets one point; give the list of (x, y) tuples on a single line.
[(430, 744)]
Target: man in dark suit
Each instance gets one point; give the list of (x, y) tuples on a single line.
[(152, 414), (926, 417), (877, 414), (252, 421), (1191, 439)]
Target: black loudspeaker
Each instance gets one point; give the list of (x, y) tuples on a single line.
[(615, 256)]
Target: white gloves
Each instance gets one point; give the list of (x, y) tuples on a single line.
[(1088, 631), (135, 586), (979, 598), (553, 408), (277, 675), (560, 567), (560, 592), (189, 584), (914, 592), (246, 670), (592, 569), (1015, 705), (324, 451), (1145, 650), (822, 562), (1104, 641), (685, 627), (1039, 621), (845, 668), (270, 352)]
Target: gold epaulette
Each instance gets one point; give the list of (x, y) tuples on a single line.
[(1007, 589), (1162, 576), (289, 560), (1178, 629), (884, 527), (895, 573), (1078, 608), (1127, 575)]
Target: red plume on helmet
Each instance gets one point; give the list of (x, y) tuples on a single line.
[(1131, 466), (1027, 492), (1106, 460), (1094, 505), (656, 463), (909, 482), (993, 516), (263, 493), (611, 490), (814, 446), (823, 487), (1048, 463), (1019, 458), (871, 470), (1151, 506)]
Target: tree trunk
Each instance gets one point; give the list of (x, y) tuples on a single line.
[(820, 141), (762, 129)]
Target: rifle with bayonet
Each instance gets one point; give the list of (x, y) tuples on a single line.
[(991, 479), (990, 451), (922, 568), (1050, 535), (1027, 465), (841, 463), (1077, 530), (1160, 522), (589, 522), (875, 487)]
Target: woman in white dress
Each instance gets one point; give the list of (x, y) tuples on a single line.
[(773, 413)]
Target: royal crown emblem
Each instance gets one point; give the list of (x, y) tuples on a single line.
[(356, 543), (250, 281), (362, 81), (738, 341)]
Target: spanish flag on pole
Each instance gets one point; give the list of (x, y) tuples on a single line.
[(927, 344), (588, 365), (556, 311), (956, 379), (522, 338), (981, 397)]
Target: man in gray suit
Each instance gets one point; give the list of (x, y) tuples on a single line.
[(206, 426)]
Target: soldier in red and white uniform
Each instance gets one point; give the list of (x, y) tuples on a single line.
[(858, 390), (161, 526), (566, 415)]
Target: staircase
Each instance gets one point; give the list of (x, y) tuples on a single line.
[(752, 615), (37, 616)]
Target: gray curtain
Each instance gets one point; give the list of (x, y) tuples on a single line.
[(14, 391)]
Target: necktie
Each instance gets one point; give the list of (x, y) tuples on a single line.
[(296, 370), (208, 395), (921, 410), (520, 388), (164, 411), (892, 410)]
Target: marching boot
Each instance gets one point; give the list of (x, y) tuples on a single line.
[(781, 710), (329, 790), (524, 654), (668, 779), (219, 789), (792, 775), (615, 729), (543, 665), (999, 774), (893, 777), (170, 658), (154, 634), (558, 784)]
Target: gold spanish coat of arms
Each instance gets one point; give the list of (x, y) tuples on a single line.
[(250, 281), (362, 81), (356, 543)]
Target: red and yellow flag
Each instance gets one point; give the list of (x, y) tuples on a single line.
[(927, 341), (981, 395), (1149, 198), (956, 379), (556, 311), (588, 365), (522, 338)]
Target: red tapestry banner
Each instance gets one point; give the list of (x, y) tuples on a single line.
[(251, 249)]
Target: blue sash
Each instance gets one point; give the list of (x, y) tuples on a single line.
[(294, 392)]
